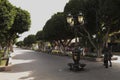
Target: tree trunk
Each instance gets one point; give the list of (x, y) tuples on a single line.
[(64, 44), (7, 62), (89, 38), (5, 51), (99, 52)]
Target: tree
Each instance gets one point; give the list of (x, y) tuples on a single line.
[(21, 24), (13, 21), (22, 21), (89, 28), (101, 19), (40, 39), (7, 14), (55, 29), (39, 35), (20, 44), (29, 40)]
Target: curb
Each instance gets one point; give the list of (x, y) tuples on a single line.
[(5, 68), (98, 59)]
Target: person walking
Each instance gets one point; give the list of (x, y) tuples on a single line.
[(107, 56)]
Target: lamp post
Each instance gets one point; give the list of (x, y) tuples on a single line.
[(75, 21)]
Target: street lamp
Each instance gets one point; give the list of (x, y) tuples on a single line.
[(76, 21), (71, 19)]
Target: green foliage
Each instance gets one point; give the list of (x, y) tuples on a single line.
[(74, 6), (22, 21), (13, 21), (20, 44), (98, 14), (21, 24), (29, 40), (1, 53), (102, 17), (7, 14), (3, 62), (56, 29), (40, 35)]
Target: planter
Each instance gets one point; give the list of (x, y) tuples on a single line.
[(5, 68), (99, 59), (114, 58), (89, 58)]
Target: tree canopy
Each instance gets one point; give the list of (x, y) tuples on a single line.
[(13, 21), (39, 35), (29, 40), (22, 21), (102, 17), (7, 15), (56, 29)]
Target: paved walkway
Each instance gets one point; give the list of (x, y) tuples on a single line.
[(30, 65)]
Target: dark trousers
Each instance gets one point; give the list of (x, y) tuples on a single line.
[(107, 61)]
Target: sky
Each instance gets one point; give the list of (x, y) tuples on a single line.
[(40, 11)]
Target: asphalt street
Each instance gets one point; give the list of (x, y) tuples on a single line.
[(32, 65)]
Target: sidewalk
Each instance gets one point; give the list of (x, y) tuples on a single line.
[(118, 60)]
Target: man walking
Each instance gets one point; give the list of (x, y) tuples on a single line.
[(107, 56)]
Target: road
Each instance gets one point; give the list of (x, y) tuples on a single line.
[(31, 65)]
